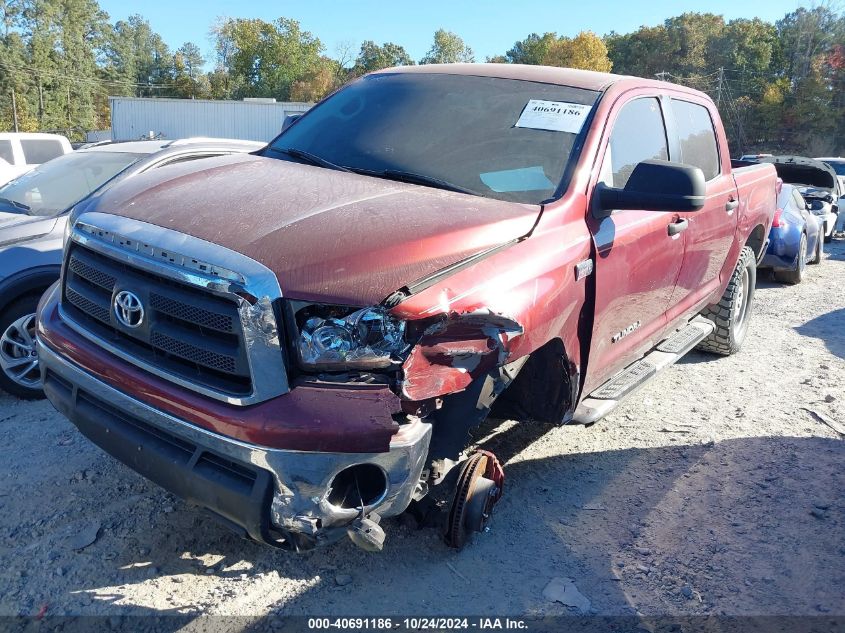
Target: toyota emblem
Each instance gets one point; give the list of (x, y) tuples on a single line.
[(128, 309)]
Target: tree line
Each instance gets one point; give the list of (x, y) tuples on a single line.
[(780, 86)]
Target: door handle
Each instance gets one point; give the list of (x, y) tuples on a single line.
[(731, 206), (678, 226)]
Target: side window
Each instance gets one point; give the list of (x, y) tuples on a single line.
[(697, 137), (6, 151), (38, 151), (638, 134)]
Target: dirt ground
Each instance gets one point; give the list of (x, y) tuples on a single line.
[(717, 489)]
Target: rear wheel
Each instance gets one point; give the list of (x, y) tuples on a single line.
[(19, 371), (795, 275), (731, 314)]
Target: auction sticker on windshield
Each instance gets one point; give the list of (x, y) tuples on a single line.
[(556, 116)]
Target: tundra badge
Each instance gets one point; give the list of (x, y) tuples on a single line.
[(620, 335)]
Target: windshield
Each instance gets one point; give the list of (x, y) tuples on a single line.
[(838, 166), (456, 132), (57, 185)]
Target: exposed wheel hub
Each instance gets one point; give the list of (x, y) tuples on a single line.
[(479, 486), (18, 354)]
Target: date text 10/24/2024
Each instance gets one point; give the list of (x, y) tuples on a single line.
[(417, 624)]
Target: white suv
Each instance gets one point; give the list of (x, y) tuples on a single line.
[(21, 151)]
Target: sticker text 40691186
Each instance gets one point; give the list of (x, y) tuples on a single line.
[(556, 116)]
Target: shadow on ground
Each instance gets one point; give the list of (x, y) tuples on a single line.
[(829, 328), (752, 525)]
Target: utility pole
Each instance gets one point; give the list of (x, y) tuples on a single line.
[(661, 75), (719, 87), (14, 110), (40, 104)]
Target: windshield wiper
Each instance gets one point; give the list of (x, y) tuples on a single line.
[(308, 157), (421, 179), (14, 203)]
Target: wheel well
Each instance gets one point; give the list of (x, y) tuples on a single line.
[(30, 292), (543, 389), (756, 240)]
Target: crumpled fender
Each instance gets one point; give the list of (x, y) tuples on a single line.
[(454, 351)]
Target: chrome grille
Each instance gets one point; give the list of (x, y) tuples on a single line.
[(186, 331), (209, 322), (192, 314), (204, 357)]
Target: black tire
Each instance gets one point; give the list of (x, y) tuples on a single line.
[(795, 275), (817, 257), (27, 387), (732, 313)]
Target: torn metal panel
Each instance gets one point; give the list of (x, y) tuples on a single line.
[(454, 351)]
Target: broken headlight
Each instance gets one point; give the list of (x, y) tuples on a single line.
[(363, 339)]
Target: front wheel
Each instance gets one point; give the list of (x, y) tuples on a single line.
[(732, 313), (19, 372)]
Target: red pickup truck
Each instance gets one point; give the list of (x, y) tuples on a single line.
[(302, 340)]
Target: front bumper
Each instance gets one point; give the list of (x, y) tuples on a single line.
[(279, 497)]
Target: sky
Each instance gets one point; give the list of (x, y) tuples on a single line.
[(489, 28)]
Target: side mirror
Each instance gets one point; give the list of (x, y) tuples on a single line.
[(289, 120), (654, 185)]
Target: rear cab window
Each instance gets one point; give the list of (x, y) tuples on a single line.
[(40, 150), (696, 137)]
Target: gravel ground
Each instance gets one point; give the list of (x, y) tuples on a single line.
[(717, 489)]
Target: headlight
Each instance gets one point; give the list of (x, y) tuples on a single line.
[(363, 339)]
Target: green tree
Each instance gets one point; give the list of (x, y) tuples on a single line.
[(374, 57), (448, 48), (644, 53), (265, 59), (531, 50)]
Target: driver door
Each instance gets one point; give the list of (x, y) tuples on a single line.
[(637, 259)]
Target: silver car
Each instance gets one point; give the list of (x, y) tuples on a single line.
[(33, 215)]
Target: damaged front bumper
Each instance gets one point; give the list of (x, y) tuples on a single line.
[(284, 498)]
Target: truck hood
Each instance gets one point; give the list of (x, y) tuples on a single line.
[(799, 170), (328, 235)]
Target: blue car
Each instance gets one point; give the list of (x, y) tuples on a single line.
[(795, 239)]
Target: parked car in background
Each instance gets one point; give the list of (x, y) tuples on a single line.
[(7, 172), (795, 239), (824, 207), (33, 217), (25, 150), (838, 165), (334, 316), (817, 182), (753, 157)]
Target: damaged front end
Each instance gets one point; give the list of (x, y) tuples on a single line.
[(447, 370)]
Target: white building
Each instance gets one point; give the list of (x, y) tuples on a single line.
[(134, 118)]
